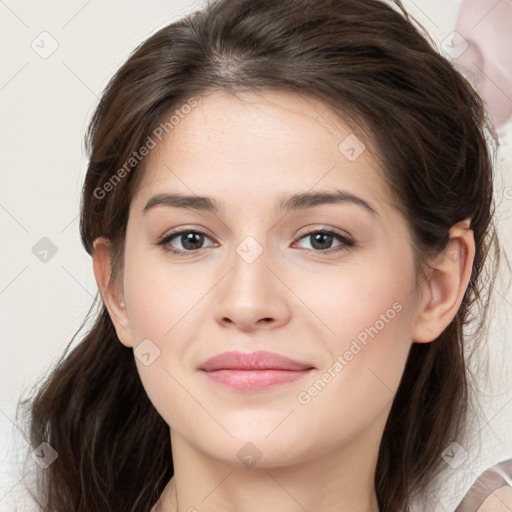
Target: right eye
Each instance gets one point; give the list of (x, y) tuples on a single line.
[(189, 239)]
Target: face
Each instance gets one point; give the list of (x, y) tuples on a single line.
[(330, 284)]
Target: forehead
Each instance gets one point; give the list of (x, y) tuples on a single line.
[(257, 145)]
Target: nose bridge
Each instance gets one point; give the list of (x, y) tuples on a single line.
[(250, 274), (251, 293)]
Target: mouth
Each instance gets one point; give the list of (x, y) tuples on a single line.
[(254, 371)]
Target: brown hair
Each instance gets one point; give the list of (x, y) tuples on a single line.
[(370, 64)]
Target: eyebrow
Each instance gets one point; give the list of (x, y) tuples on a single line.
[(300, 201)]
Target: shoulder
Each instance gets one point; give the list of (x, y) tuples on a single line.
[(491, 492), (498, 501)]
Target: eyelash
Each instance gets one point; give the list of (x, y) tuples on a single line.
[(345, 244)]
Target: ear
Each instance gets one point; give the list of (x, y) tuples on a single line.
[(449, 278), (111, 294)]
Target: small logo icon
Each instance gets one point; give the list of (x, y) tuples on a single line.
[(44, 250), (44, 45), (249, 454), (351, 147), (146, 352), (455, 255), (454, 455), (44, 455), (249, 249), (454, 45)]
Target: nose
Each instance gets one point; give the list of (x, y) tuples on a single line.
[(252, 295)]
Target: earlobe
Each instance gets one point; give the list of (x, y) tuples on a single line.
[(449, 278), (109, 290)]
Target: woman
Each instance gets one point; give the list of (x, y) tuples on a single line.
[(289, 208)]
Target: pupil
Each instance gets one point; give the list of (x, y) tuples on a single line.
[(192, 238), (317, 238)]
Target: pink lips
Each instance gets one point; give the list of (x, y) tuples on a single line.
[(255, 371)]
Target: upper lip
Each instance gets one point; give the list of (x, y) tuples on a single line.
[(260, 360)]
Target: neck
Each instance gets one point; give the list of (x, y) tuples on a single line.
[(337, 481)]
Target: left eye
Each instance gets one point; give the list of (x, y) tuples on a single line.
[(322, 238)]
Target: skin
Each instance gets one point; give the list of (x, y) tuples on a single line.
[(499, 501), (491, 492), (246, 152)]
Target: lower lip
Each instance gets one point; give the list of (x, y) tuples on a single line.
[(255, 380)]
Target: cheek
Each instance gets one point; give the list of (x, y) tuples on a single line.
[(370, 313), (160, 295), (371, 299), (163, 302), (355, 389), (165, 305)]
